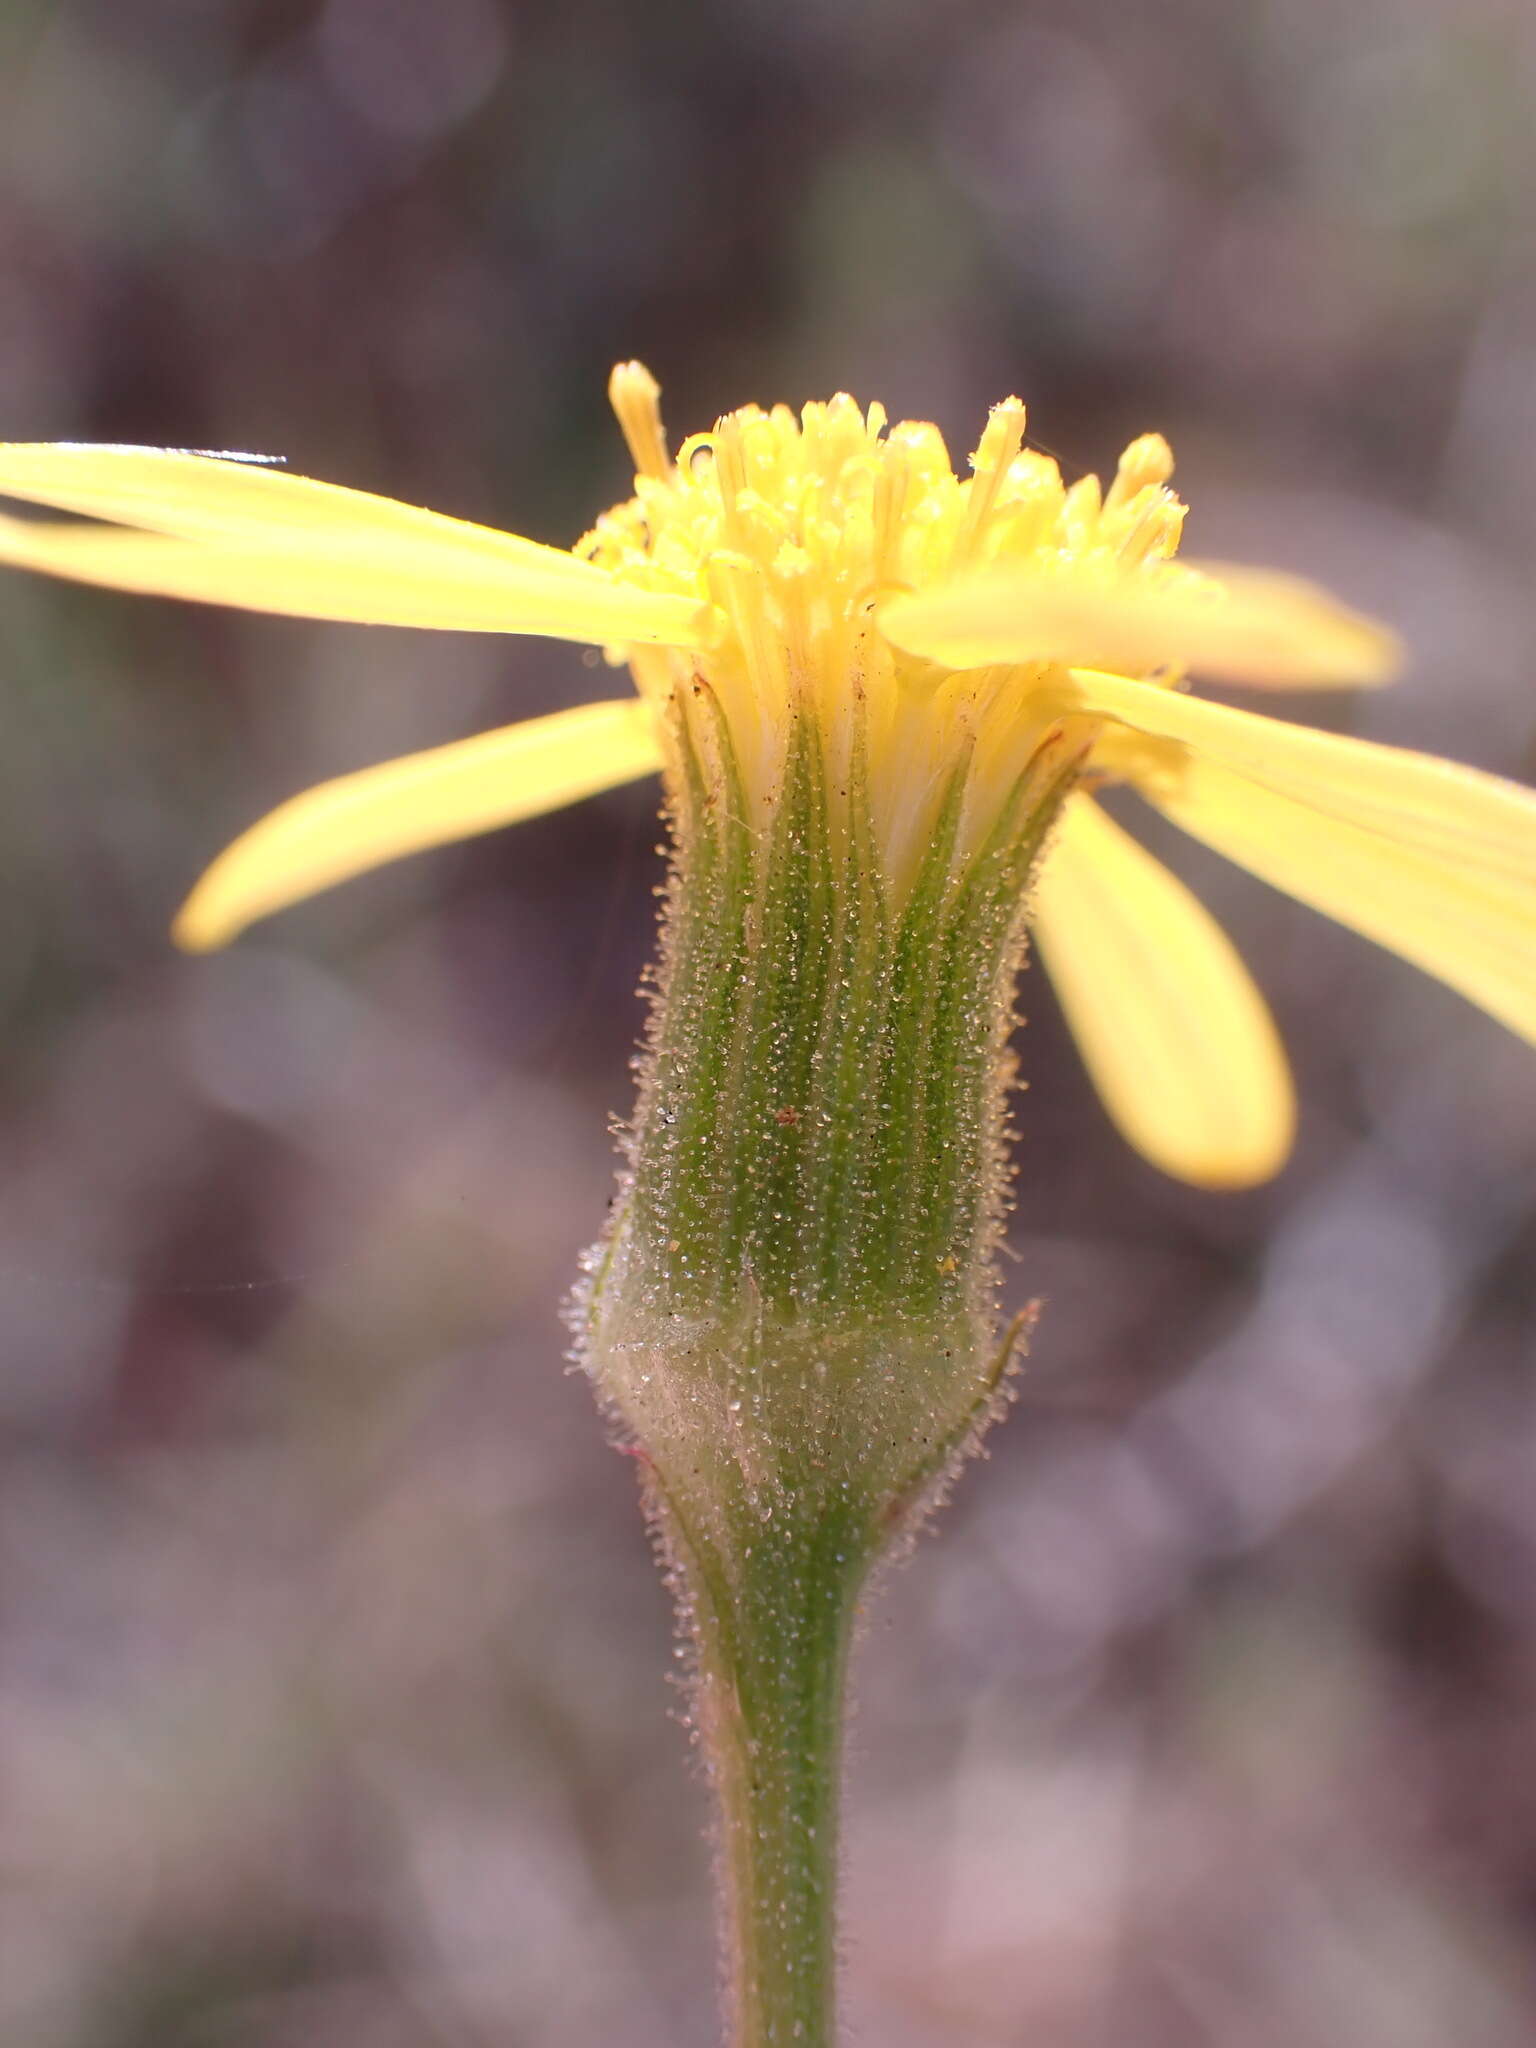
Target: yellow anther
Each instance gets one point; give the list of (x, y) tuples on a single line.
[(1148, 460), (731, 473), (635, 397), (1000, 442)]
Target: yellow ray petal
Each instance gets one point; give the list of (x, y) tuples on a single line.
[(342, 828), (228, 532), (371, 583), (222, 497), (1178, 1041), (1249, 624), (1468, 919), (1475, 823)]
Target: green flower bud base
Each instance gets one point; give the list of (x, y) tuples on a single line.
[(792, 1316)]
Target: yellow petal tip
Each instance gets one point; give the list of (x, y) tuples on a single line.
[(1230, 1174), (193, 930)]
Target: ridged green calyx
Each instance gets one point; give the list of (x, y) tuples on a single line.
[(798, 1275)]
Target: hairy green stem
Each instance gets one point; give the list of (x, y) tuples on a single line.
[(771, 1639)]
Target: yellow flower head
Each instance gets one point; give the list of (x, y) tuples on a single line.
[(792, 531), (819, 564), (796, 535)]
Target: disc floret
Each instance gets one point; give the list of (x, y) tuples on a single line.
[(792, 528)]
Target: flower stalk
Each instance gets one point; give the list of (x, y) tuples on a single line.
[(792, 1315), (770, 1618)]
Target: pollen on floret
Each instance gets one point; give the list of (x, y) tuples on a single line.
[(835, 496)]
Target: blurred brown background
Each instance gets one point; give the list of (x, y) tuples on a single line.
[(333, 1702)]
